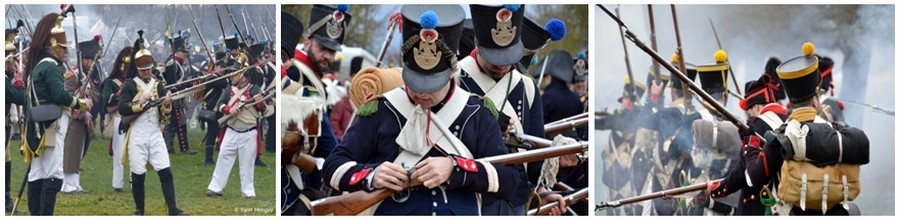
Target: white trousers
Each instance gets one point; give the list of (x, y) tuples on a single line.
[(146, 146), (240, 146), (117, 141), (71, 183), (50, 164)]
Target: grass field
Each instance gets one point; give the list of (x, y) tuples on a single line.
[(191, 178)]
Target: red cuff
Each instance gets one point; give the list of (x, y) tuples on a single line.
[(753, 141), (359, 176), (466, 164), (18, 84), (226, 109)]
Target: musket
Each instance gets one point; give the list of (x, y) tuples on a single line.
[(874, 107), (358, 201), (205, 76), (234, 22), (631, 78), (570, 118), (688, 106), (21, 190), (268, 94), (116, 29), (653, 44), (200, 35), (706, 97), (221, 27), (387, 40), (655, 195), (244, 19), (70, 9), (570, 199), (734, 79), (569, 125)]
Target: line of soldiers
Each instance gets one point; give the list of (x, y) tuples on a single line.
[(142, 99), (422, 141), (754, 171)]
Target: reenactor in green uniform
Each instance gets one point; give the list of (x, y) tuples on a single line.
[(45, 124)]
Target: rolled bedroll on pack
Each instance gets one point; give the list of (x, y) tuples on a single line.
[(827, 146)]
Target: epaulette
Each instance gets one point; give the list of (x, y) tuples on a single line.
[(489, 105), (368, 108)]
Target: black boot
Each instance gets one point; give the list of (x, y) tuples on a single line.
[(137, 191), (50, 189), (209, 155), (260, 163), (168, 190), (9, 201), (34, 196)]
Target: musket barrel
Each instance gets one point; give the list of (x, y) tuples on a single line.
[(570, 199), (655, 195), (569, 125)]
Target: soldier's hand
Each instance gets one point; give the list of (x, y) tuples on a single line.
[(433, 171), (556, 210), (570, 160), (391, 176), (88, 104), (167, 100), (145, 98), (234, 110)]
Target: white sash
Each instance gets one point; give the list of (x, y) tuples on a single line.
[(145, 87), (497, 91), (411, 141), (310, 75)]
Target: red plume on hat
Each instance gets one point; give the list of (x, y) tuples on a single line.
[(97, 38)]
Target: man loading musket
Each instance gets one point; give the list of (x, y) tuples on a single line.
[(429, 131), (144, 96)]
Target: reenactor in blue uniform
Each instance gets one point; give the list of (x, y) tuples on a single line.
[(260, 78), (145, 147), (211, 101), (830, 148), (429, 131), (619, 161), (45, 137), (110, 97), (177, 69), (490, 71), (664, 142), (302, 81), (15, 94), (559, 101), (764, 115)]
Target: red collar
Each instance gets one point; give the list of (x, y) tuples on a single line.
[(775, 108), (300, 55), (178, 59)]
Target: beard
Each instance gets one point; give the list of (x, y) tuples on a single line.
[(314, 59)]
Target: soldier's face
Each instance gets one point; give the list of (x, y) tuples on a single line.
[(319, 55), (491, 69), (428, 100), (87, 62), (145, 74)]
